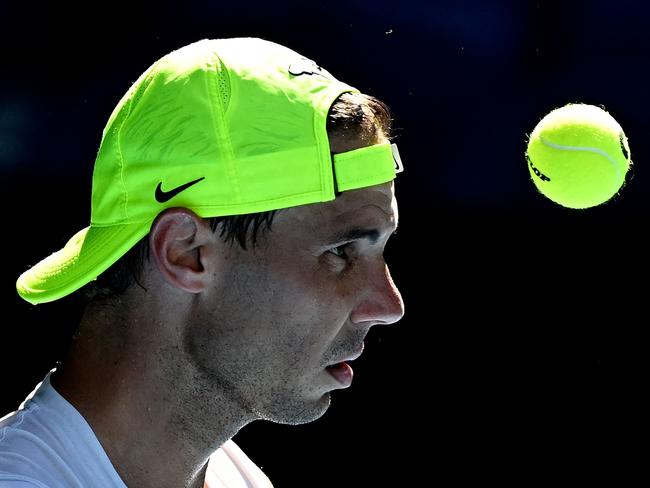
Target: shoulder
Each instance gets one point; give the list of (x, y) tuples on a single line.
[(17, 481)]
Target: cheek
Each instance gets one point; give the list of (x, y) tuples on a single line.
[(347, 280), (275, 307), (284, 308), (304, 308)]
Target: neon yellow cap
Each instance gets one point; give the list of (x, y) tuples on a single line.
[(222, 127)]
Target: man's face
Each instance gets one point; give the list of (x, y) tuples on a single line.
[(303, 300)]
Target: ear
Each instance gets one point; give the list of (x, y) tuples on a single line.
[(178, 240)]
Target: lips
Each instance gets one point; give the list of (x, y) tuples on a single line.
[(342, 372)]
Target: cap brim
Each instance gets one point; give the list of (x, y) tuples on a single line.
[(86, 255)]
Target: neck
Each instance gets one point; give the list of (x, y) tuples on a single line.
[(158, 418)]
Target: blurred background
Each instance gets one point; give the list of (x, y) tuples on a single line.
[(522, 354)]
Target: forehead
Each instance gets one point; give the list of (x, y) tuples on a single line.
[(373, 207)]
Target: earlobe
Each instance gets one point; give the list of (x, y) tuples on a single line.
[(177, 241)]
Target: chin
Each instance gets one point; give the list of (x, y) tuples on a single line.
[(297, 413)]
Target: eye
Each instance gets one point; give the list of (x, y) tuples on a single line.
[(339, 251)]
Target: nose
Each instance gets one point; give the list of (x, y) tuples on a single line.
[(382, 304)]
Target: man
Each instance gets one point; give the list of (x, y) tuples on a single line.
[(188, 335)]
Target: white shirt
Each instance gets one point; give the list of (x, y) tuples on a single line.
[(47, 443)]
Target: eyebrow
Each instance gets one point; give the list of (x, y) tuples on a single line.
[(356, 233)]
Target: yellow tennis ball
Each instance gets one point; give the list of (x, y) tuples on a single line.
[(578, 156)]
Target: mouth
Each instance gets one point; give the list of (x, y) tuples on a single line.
[(341, 372)]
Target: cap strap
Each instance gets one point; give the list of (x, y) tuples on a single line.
[(367, 166)]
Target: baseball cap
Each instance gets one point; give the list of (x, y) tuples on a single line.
[(222, 127)]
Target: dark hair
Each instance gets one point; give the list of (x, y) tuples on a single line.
[(354, 115)]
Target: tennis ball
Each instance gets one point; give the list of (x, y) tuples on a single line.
[(578, 156)]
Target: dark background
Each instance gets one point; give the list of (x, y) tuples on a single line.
[(522, 354)]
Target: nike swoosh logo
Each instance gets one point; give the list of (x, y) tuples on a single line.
[(399, 167), (165, 196), (306, 66)]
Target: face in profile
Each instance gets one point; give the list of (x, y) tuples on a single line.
[(284, 315)]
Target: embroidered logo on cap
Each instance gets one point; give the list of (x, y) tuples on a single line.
[(165, 196), (306, 66)]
